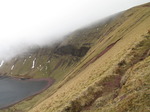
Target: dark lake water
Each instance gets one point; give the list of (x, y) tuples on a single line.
[(14, 90)]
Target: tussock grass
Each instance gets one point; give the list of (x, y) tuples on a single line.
[(133, 92), (74, 92), (115, 82)]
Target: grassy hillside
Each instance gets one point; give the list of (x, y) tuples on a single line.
[(101, 68)]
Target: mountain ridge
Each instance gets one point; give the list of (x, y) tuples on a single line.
[(99, 80)]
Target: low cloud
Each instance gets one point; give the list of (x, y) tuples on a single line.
[(24, 23)]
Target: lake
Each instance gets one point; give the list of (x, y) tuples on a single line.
[(13, 90)]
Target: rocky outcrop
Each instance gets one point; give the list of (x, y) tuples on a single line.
[(71, 50)]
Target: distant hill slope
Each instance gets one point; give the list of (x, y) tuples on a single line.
[(101, 68)]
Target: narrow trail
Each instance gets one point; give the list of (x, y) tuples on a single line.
[(99, 55)]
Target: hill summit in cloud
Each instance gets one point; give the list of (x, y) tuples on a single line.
[(101, 68)]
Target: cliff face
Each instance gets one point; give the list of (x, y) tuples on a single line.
[(102, 68)]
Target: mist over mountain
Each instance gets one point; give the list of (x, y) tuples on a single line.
[(86, 62), (24, 24)]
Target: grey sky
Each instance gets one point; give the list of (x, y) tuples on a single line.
[(34, 22)]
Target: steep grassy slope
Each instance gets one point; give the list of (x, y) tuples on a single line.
[(107, 72)]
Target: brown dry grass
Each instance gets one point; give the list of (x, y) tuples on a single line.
[(77, 91), (101, 81)]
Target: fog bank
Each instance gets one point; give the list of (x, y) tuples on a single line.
[(24, 23)]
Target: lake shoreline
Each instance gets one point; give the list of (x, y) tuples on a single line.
[(50, 82)]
